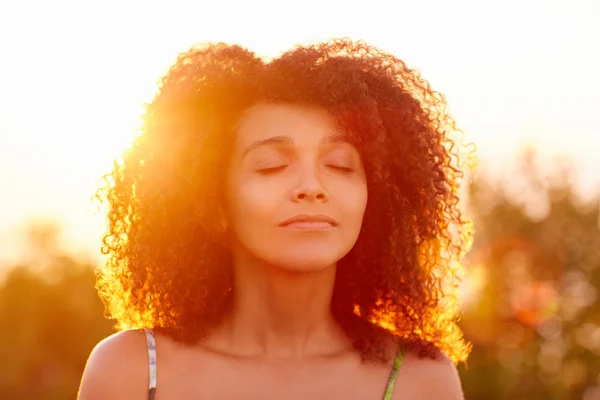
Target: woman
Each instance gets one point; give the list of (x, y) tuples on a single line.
[(284, 229)]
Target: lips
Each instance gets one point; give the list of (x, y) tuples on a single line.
[(309, 221)]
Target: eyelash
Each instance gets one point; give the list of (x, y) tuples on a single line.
[(342, 169), (274, 170), (270, 171)]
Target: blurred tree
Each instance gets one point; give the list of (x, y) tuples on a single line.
[(531, 307), (50, 319)]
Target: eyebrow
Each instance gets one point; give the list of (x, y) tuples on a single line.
[(278, 140), (269, 141), (336, 138)]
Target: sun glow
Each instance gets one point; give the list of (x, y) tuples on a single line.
[(70, 97)]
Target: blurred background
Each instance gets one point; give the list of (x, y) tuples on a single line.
[(521, 78)]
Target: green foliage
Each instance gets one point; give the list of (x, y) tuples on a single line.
[(50, 319), (535, 325)]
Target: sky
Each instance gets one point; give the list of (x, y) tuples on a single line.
[(74, 74)]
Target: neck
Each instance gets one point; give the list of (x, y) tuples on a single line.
[(282, 313)]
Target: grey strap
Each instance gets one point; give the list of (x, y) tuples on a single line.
[(151, 342)]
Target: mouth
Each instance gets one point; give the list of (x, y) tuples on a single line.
[(309, 222)]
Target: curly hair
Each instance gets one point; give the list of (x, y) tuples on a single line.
[(167, 266)]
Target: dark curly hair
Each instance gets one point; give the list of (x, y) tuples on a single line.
[(167, 265)]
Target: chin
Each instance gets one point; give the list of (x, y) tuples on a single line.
[(299, 256), (310, 265), (305, 260)]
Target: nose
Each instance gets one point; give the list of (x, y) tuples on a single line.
[(310, 188)]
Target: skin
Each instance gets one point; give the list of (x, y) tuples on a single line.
[(280, 340)]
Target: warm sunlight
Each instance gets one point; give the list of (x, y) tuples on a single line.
[(520, 78), (71, 105), (473, 284)]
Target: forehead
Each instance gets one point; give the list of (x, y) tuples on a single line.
[(298, 122)]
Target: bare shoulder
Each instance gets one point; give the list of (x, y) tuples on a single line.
[(117, 368), (426, 378)]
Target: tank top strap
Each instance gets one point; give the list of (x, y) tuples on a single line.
[(391, 382), (151, 344)]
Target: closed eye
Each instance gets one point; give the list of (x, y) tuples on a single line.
[(271, 170), (340, 168)]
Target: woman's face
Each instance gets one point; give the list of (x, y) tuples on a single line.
[(296, 189)]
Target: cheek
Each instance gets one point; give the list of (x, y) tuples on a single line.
[(353, 200), (252, 204), (362, 203), (355, 204), (358, 208)]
